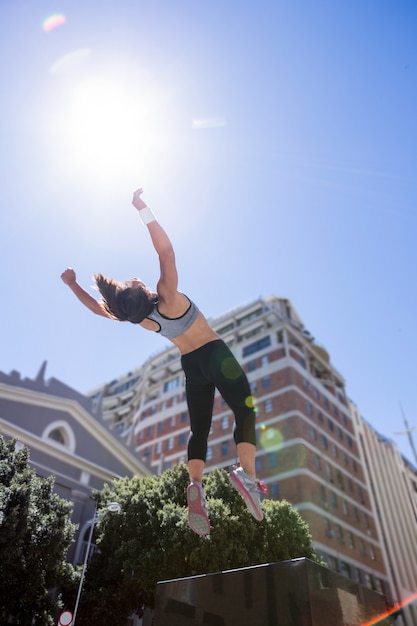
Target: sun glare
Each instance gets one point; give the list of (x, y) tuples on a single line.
[(108, 127)]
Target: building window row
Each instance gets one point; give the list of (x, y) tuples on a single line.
[(335, 530), (329, 423), (354, 573), (337, 453), (256, 346), (339, 414)]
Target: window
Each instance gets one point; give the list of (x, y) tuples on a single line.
[(309, 408), (339, 533), (182, 439), (256, 346), (351, 540), (268, 406), (251, 366), (253, 386), (209, 455), (333, 500), (274, 491), (170, 444), (158, 447), (330, 424), (324, 443), (313, 434), (61, 433), (264, 360), (328, 528), (225, 447), (266, 382), (329, 472), (58, 436), (172, 384), (317, 461), (184, 417), (272, 460), (225, 422), (345, 507), (345, 569)]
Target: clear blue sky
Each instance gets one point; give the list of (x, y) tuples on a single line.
[(275, 140)]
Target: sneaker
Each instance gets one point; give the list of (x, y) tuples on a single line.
[(198, 519), (248, 488)]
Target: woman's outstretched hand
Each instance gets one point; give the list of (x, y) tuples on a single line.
[(137, 201), (69, 276)]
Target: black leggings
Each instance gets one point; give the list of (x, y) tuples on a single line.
[(207, 368)]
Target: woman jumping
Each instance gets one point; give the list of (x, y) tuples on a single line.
[(207, 362)]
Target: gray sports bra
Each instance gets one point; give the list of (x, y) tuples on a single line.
[(173, 327)]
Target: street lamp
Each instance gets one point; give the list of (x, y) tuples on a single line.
[(113, 507)]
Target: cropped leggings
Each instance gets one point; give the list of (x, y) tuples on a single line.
[(206, 369)]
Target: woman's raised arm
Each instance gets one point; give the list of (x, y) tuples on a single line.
[(70, 279), (168, 281)]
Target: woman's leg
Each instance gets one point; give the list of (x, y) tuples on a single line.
[(200, 400), (246, 454)]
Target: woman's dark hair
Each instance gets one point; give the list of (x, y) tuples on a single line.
[(124, 303)]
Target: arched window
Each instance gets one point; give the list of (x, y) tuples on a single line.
[(60, 433)]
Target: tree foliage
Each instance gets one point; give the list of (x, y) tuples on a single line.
[(35, 533), (150, 541)]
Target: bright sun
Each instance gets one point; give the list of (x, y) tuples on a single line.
[(109, 128)]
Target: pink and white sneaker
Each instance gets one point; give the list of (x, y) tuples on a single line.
[(198, 519), (248, 488)]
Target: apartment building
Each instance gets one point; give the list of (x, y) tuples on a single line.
[(393, 488), (307, 449)]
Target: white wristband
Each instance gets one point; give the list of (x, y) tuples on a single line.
[(146, 215)]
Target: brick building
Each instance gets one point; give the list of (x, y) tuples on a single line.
[(307, 448)]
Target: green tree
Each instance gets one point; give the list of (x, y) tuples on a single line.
[(149, 541), (35, 533)]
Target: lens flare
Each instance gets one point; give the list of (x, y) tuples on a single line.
[(230, 369), (250, 402), (70, 61), (376, 620), (270, 437), (53, 21)]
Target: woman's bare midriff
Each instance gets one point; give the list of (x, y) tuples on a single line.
[(196, 336)]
